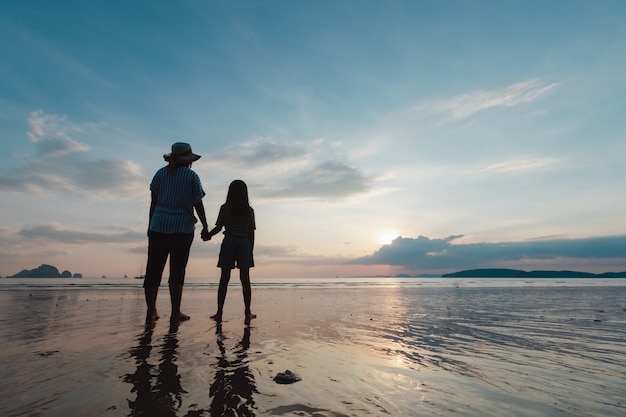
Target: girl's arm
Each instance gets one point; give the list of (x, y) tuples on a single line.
[(212, 233), (218, 226)]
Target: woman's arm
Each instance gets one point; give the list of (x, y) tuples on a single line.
[(202, 216), (154, 198)]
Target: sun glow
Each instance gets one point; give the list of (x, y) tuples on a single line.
[(387, 237)]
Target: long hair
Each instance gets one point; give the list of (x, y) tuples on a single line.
[(174, 165), (237, 198)]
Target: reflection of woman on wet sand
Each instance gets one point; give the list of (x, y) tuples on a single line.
[(165, 397), (168, 389), (144, 403), (233, 388)]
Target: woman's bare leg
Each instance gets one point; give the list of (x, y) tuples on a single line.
[(151, 292), (176, 295)]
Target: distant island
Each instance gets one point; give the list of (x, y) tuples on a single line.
[(45, 271), (396, 276), (515, 273)]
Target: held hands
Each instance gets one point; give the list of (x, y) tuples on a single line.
[(205, 235)]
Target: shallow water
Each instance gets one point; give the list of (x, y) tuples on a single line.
[(362, 348), (479, 351), (527, 351)]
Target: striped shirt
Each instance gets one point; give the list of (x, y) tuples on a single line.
[(177, 194), (236, 226)]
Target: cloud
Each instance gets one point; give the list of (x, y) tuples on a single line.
[(293, 255), (425, 253), (92, 180), (264, 151), (259, 152), (517, 165), (120, 178), (55, 169), (465, 105), (294, 170), (276, 251), (56, 233), (52, 134), (326, 180)]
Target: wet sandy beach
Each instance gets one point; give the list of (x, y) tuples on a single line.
[(362, 350)]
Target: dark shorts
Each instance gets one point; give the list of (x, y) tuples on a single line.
[(161, 246), (236, 252)]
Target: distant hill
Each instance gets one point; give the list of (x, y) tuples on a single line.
[(44, 271), (399, 276), (515, 273)]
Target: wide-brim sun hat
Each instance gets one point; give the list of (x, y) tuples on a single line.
[(181, 152)]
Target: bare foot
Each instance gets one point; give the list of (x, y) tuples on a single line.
[(151, 317), (217, 317), (180, 317), (250, 316)]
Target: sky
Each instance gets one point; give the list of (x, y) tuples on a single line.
[(376, 137)]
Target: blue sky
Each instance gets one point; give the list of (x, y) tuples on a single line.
[(376, 137)]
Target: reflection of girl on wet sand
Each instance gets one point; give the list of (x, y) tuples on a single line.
[(237, 217)]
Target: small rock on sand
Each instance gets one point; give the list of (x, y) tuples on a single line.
[(286, 377)]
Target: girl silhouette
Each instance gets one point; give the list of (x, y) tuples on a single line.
[(237, 218)]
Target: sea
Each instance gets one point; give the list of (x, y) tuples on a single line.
[(10, 284)]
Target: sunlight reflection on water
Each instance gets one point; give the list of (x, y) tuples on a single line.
[(562, 347)]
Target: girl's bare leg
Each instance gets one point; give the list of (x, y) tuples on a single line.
[(244, 276), (221, 293)]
